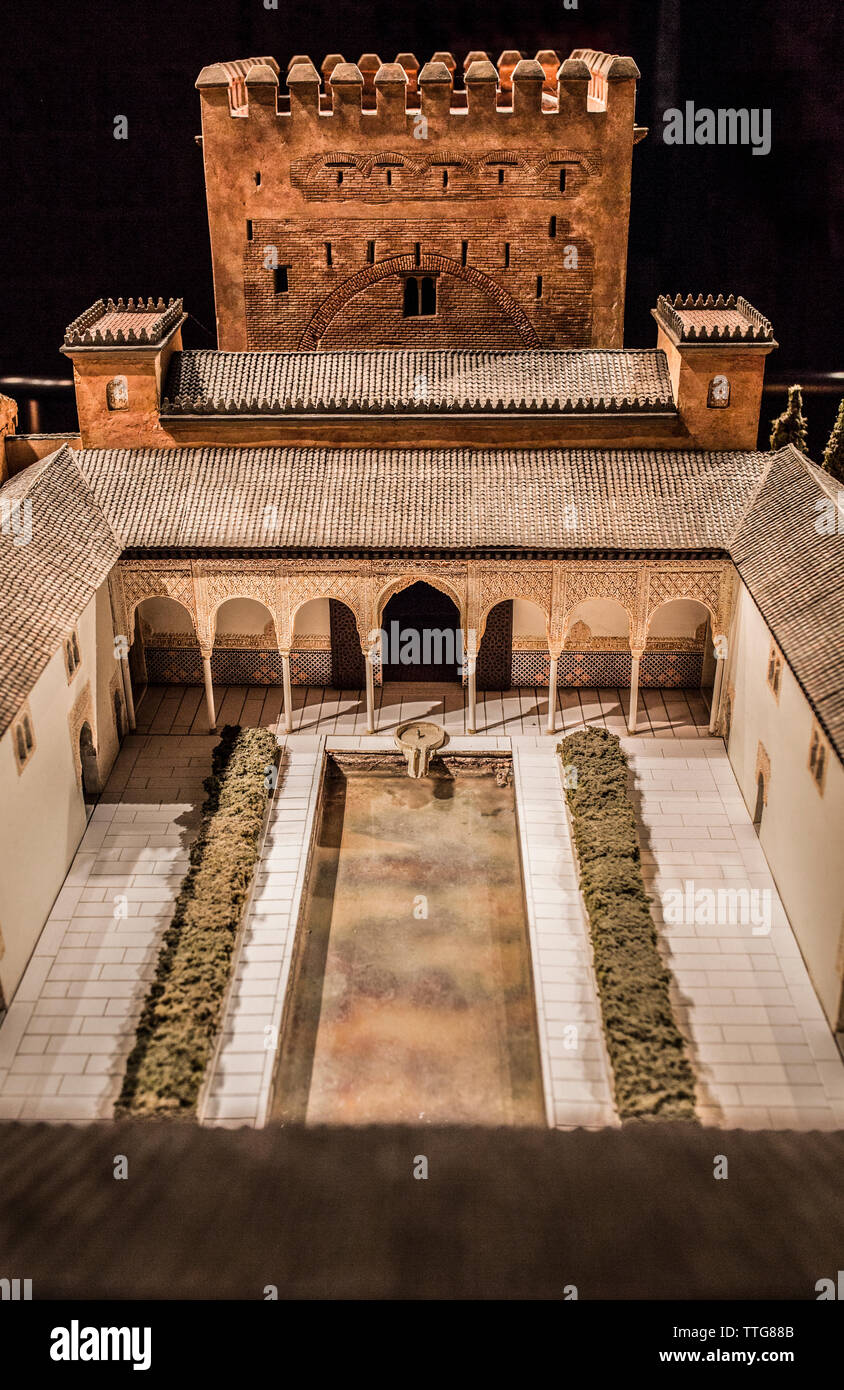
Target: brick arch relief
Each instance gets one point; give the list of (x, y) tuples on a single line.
[(432, 264)]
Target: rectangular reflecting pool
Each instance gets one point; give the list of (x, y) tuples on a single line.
[(411, 996)]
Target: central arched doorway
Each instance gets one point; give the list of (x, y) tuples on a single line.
[(421, 639)]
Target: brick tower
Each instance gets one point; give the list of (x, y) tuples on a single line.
[(385, 205)]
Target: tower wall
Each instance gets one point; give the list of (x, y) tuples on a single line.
[(347, 185)]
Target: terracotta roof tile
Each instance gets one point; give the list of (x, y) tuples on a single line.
[(248, 383)]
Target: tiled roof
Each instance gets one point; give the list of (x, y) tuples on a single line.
[(363, 498), (107, 324), (250, 383), (795, 571), (760, 508), (709, 320), (46, 583)]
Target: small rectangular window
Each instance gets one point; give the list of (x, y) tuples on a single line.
[(328, 255), (339, 177), (464, 252), (539, 286), (417, 252), (389, 178), (501, 176), (249, 229), (552, 227), (445, 178), (562, 180), (257, 178), (818, 757), (370, 253), (506, 255), (280, 283), (774, 676)]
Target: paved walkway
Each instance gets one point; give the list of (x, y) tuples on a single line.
[(71, 1025), (178, 709), (763, 1051)]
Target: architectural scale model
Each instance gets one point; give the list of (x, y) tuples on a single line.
[(421, 417)]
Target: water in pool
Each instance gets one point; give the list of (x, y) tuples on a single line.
[(411, 994)]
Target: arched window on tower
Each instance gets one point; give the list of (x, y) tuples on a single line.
[(411, 298), (428, 296)]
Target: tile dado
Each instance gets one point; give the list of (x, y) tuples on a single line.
[(182, 665)]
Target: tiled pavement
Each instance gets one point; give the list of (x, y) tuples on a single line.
[(762, 1049), (71, 1025), (178, 709)]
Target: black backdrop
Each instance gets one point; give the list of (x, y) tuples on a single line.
[(86, 215)]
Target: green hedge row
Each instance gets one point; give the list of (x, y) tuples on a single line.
[(182, 1010), (652, 1074)]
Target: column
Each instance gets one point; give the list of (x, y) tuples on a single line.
[(288, 692), (552, 693), (368, 656), (209, 690), (471, 719), (636, 656), (717, 685), (127, 691)]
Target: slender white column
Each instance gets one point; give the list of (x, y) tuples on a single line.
[(634, 690), (288, 692), (471, 721), (369, 654), (127, 691), (209, 692), (715, 710), (552, 694)]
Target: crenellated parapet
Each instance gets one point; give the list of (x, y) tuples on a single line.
[(587, 82)]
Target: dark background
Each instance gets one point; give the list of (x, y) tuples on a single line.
[(86, 215)]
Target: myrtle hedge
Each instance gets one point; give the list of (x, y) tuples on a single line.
[(652, 1075), (181, 1013)]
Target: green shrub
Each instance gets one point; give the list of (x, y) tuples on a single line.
[(182, 1009), (652, 1075)]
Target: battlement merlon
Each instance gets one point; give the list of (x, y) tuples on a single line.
[(535, 96)]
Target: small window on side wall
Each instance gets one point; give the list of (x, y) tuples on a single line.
[(72, 657), (774, 675), (117, 393), (718, 395), (23, 739), (818, 757)]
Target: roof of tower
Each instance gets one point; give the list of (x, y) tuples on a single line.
[(207, 382), (688, 319), (110, 324)]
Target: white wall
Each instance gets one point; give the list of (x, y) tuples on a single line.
[(801, 830), (42, 811)]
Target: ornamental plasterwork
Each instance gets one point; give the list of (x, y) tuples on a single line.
[(703, 586), (586, 582), (494, 586), (157, 579)]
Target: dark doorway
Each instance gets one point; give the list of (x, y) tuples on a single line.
[(88, 759), (422, 636), (347, 664), (495, 654)]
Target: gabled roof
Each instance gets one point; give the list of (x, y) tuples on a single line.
[(764, 510), (46, 581), (792, 561), (319, 498), (541, 380)]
